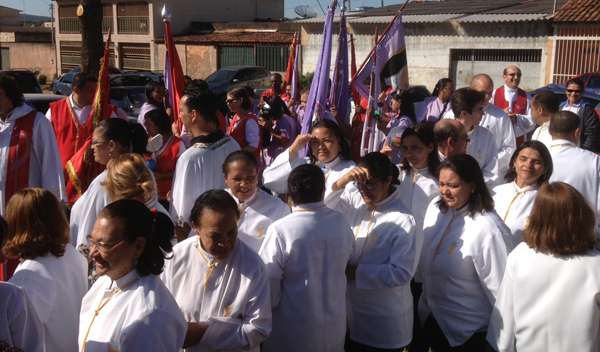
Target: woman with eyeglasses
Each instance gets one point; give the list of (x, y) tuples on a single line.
[(243, 125), (590, 126), (326, 147), (129, 308), (51, 271), (126, 177), (529, 168), (463, 259), (385, 257)]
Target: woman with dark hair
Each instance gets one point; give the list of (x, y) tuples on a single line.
[(129, 308), (548, 299), (384, 259), (165, 149), (220, 283), (403, 118), (434, 107), (530, 167), (20, 328), (243, 125), (155, 96), (258, 209), (328, 149), (279, 130), (419, 169), (51, 271), (463, 258)]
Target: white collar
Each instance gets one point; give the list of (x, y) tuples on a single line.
[(510, 90), (247, 202), (124, 281), (308, 207), (330, 165), (562, 143), (73, 104), (392, 197), (524, 189), (18, 112)]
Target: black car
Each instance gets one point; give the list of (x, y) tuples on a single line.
[(26, 80), (226, 78)]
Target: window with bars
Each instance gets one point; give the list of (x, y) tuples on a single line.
[(70, 55), (135, 56), (271, 57), (504, 55)]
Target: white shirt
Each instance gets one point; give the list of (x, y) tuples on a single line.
[(45, 168), (547, 303), (275, 175), (513, 204), (90, 204), (483, 148), (542, 134), (579, 168), (19, 324), (199, 169), (55, 286), (233, 297), (574, 108), (417, 188), (306, 254), (81, 112), (386, 256), (499, 124), (134, 314), (462, 264), (256, 214)]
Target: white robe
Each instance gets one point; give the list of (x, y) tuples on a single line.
[(233, 299), (89, 205), (19, 324), (45, 168), (499, 124), (306, 254), (256, 214), (547, 303), (513, 204), (579, 168), (462, 264), (275, 176), (417, 188), (542, 134), (55, 287), (483, 148), (199, 169), (385, 255), (136, 314)]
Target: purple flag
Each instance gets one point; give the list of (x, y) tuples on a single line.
[(317, 97), (296, 76), (339, 97)]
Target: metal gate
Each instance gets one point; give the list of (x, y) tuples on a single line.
[(70, 55), (4, 58), (271, 57), (576, 51), (135, 57)]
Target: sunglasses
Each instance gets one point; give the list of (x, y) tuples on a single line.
[(573, 91)]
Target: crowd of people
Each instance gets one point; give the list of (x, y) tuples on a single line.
[(472, 227)]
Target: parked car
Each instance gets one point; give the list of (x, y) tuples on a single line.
[(559, 90), (129, 98), (62, 85), (591, 82), (41, 101), (226, 78), (26, 80)]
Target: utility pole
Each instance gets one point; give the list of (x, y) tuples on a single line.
[(54, 40)]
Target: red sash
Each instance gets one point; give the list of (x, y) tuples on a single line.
[(519, 105), (165, 163), (237, 130), (17, 171)]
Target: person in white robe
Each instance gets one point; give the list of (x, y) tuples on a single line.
[(129, 308), (467, 106), (530, 167), (219, 282), (19, 324), (385, 256), (258, 209), (198, 169), (548, 299), (51, 272), (328, 150), (578, 167), (45, 168), (126, 176), (306, 254), (543, 106), (462, 260)]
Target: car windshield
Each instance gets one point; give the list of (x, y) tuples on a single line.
[(221, 75)]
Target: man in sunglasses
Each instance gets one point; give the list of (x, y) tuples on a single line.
[(589, 124)]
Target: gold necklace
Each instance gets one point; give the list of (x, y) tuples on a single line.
[(103, 302)]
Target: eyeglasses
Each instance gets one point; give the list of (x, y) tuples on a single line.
[(102, 246), (229, 101), (369, 185), (514, 75), (97, 143), (573, 91)]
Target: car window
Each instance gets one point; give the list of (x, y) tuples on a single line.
[(68, 78), (244, 75), (594, 82)]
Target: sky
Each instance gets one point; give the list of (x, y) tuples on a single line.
[(41, 7)]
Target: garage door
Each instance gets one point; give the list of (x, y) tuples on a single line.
[(464, 63)]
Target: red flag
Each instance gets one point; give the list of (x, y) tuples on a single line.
[(81, 169), (289, 71), (353, 70), (173, 72)]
